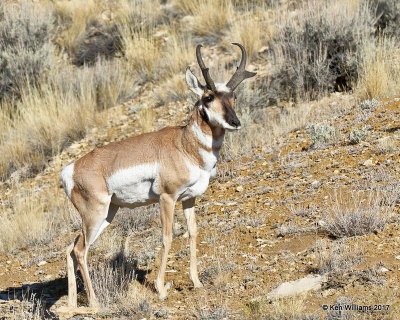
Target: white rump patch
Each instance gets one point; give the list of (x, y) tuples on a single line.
[(135, 185), (67, 179)]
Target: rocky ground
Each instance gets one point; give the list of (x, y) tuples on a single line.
[(269, 217)]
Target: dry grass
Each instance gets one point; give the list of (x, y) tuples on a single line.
[(338, 256), (111, 279), (172, 89), (177, 55), (357, 214), (71, 101), (210, 18), (252, 29), (137, 299), (286, 308), (30, 307), (212, 307), (262, 127), (380, 69), (146, 119), (142, 54), (73, 17), (156, 59), (34, 218), (116, 286)]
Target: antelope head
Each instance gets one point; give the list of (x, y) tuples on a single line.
[(216, 101)]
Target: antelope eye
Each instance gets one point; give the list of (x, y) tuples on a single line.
[(208, 99)]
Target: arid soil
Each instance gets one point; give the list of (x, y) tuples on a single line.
[(263, 221)]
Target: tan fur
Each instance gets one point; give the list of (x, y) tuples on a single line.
[(90, 195), (178, 163)]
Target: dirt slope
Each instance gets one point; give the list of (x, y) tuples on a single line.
[(262, 222)]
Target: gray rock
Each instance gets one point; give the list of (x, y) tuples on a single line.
[(292, 288)]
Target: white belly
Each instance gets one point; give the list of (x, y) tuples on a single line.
[(135, 186), (198, 183)]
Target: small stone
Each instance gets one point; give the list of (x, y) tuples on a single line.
[(329, 292), (382, 270), (397, 257), (8, 261), (41, 263), (315, 184), (336, 171), (368, 163), (322, 223), (239, 189)]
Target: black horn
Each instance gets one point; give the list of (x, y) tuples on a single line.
[(241, 73), (204, 70)]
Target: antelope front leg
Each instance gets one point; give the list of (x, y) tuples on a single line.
[(188, 209), (167, 205)]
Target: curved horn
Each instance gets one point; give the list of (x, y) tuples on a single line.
[(240, 73), (204, 70)]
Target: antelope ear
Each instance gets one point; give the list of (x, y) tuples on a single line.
[(194, 83)]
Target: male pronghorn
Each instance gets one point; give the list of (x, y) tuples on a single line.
[(170, 165)]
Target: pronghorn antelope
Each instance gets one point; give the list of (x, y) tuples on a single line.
[(170, 165)]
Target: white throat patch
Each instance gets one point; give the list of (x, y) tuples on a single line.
[(205, 139)]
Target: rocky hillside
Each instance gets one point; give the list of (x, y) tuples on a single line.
[(318, 201), (302, 220)]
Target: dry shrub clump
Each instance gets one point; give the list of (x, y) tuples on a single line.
[(25, 47), (388, 17), (316, 47), (358, 214), (115, 286), (338, 256), (86, 30), (31, 307)]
